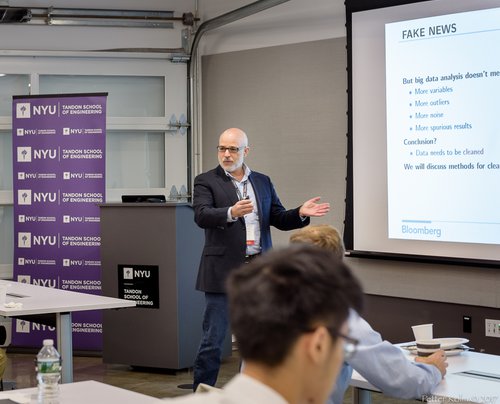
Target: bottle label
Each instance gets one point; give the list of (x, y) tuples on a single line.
[(48, 367)]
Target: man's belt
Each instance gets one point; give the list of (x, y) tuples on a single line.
[(250, 258)]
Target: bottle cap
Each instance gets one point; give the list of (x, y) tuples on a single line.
[(48, 342)]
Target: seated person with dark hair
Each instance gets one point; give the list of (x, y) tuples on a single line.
[(381, 363), (288, 311)]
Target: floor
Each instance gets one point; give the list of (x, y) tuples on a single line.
[(153, 382)]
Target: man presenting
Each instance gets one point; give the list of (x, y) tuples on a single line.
[(236, 207)]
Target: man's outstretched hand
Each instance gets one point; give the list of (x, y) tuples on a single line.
[(312, 208)]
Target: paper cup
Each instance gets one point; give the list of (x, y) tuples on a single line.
[(427, 347), (422, 332)]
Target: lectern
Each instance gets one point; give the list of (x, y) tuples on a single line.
[(150, 253)]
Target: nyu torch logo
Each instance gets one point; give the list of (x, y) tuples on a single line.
[(23, 110)]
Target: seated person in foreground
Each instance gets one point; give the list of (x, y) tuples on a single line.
[(288, 310), (384, 365)]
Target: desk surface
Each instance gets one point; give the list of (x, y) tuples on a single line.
[(470, 387), (84, 393), (42, 300)]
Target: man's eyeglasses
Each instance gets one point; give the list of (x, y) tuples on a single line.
[(350, 344), (232, 150)]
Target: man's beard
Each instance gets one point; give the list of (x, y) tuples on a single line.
[(233, 167)]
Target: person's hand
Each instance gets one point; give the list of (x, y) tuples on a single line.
[(242, 208), (437, 359), (313, 208)]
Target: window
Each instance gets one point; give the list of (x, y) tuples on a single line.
[(5, 160), (135, 160), (127, 95), (6, 236), (11, 84)]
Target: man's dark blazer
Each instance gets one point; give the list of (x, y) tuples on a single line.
[(225, 243)]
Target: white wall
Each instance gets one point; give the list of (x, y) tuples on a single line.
[(291, 111), (292, 22)]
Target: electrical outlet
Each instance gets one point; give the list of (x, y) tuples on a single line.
[(492, 328)]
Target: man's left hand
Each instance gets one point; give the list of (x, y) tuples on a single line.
[(313, 208)]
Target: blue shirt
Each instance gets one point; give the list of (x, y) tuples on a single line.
[(385, 366)]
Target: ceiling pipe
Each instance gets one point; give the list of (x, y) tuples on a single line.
[(93, 17), (224, 19), (227, 18)]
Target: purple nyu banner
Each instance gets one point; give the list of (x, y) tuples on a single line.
[(59, 166)]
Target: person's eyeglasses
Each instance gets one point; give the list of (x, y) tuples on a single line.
[(350, 346), (232, 150)]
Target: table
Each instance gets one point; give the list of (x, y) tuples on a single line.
[(43, 300), (471, 378), (83, 393)]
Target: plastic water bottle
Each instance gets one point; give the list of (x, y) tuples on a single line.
[(48, 368)]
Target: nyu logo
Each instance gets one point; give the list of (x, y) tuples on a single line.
[(23, 110), (49, 283), (71, 263), (131, 273), (43, 154), (24, 240), (140, 273), (24, 154), (45, 240), (44, 109), (22, 132), (72, 219), (128, 273), (67, 175), (27, 219), (44, 197), (25, 327), (26, 197), (26, 261), (26, 279)]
